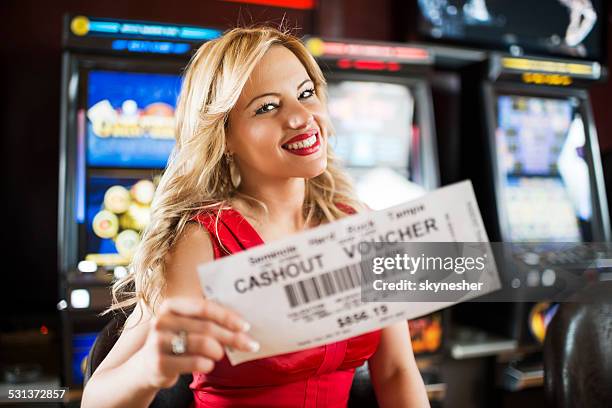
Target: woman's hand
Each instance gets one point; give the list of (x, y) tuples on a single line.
[(205, 325)]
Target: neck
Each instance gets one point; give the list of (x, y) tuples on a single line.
[(284, 199)]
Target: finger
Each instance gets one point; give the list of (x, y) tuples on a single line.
[(174, 324), (185, 364), (206, 309), (205, 345), (196, 344), (239, 341)]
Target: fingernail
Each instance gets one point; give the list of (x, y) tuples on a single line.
[(246, 326), (253, 345)]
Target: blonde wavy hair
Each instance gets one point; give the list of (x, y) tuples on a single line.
[(198, 175)]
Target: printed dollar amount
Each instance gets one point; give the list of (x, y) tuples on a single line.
[(354, 318)]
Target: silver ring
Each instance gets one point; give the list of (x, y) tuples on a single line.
[(179, 343)]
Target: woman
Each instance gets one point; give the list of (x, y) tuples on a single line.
[(251, 164)]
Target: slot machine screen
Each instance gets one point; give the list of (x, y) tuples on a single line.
[(130, 118), (376, 138), (373, 123), (543, 170), (117, 211), (574, 28)]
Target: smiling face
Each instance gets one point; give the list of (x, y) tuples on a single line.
[(277, 129)]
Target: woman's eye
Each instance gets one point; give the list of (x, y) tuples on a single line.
[(265, 108), (307, 93)]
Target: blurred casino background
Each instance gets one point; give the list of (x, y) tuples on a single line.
[(513, 95)]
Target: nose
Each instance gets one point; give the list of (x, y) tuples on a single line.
[(298, 116)]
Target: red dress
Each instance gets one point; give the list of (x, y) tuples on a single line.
[(316, 377)]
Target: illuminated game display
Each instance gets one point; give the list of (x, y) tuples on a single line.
[(540, 146), (118, 210), (130, 118), (117, 131), (380, 107), (130, 125), (376, 139), (373, 123), (559, 27)]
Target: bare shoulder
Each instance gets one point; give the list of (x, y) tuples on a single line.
[(194, 242), (192, 248)]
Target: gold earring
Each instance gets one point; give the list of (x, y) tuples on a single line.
[(233, 170)]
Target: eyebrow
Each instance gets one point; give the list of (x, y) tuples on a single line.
[(275, 93)]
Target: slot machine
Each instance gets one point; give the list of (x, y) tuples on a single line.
[(119, 88), (380, 106), (381, 109), (529, 144), (528, 138), (540, 177)]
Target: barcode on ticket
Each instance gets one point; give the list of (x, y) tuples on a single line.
[(324, 285)]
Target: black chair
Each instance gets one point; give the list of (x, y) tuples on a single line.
[(578, 352), (362, 392), (179, 395)]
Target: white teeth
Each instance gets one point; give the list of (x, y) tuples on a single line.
[(303, 144)]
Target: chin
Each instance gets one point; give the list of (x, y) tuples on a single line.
[(315, 171)]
